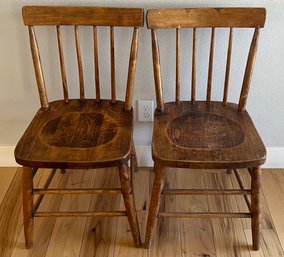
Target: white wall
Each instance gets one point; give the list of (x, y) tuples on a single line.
[(19, 98)]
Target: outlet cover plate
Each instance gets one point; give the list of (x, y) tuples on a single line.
[(145, 110)]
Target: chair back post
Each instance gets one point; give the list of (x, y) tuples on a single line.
[(157, 71), (248, 71), (38, 69), (131, 70)]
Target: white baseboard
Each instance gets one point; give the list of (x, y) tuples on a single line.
[(275, 157), (7, 158)]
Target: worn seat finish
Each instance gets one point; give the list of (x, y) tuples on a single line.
[(206, 135), (79, 134)]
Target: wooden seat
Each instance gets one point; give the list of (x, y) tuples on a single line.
[(80, 133), (85, 134), (205, 134)]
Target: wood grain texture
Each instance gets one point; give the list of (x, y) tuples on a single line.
[(78, 134), (83, 15), (207, 146), (7, 175), (111, 236), (205, 17), (273, 181), (228, 233), (11, 218), (99, 238), (65, 228), (196, 234)]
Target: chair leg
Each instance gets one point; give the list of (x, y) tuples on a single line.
[(154, 204), (28, 201), (133, 160), (255, 206), (127, 193)]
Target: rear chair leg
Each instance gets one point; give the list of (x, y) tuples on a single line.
[(28, 202), (154, 204), (127, 193), (255, 206)]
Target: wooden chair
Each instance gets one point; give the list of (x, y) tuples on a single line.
[(80, 133), (205, 134)]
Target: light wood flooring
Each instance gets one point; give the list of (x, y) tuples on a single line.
[(89, 237)]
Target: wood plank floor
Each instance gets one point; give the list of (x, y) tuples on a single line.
[(100, 237)]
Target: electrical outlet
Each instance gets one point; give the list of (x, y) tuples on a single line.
[(145, 110)]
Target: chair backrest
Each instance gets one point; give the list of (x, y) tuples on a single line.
[(205, 18), (83, 16)]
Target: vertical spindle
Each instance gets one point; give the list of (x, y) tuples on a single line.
[(193, 75), (210, 67), (62, 64), (228, 66), (177, 66), (80, 65), (112, 61), (96, 64)]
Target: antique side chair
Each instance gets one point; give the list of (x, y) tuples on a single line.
[(80, 133), (205, 134)]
